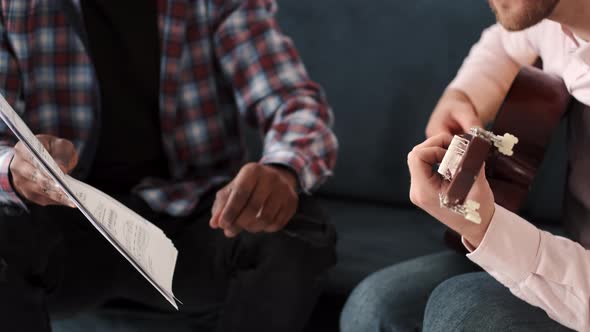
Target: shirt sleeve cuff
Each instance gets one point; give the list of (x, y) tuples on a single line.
[(7, 193), (510, 246), (295, 162)]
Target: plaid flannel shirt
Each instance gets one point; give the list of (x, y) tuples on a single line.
[(221, 59)]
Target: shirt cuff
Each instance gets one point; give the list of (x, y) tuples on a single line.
[(510, 246), (7, 193), (295, 162)]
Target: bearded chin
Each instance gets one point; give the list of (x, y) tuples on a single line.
[(527, 17)]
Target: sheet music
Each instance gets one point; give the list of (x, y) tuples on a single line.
[(144, 245)]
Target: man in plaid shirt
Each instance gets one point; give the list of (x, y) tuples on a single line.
[(143, 99)]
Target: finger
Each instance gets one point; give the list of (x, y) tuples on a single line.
[(220, 201), (425, 183), (248, 222), (467, 118), (232, 231), (34, 193), (65, 199), (276, 224), (24, 173), (427, 156), (22, 154), (436, 127), (22, 168), (214, 221), (50, 188), (45, 190), (36, 186), (46, 196), (248, 217), (281, 211), (40, 199), (240, 191), (55, 193), (421, 162), (441, 140), (269, 211), (285, 214)]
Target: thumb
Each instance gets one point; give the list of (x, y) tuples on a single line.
[(67, 163), (481, 184), (467, 118), (72, 161), (64, 153)]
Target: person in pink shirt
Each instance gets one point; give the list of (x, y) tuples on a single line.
[(534, 280)]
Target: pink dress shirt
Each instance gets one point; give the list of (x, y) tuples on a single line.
[(545, 270)]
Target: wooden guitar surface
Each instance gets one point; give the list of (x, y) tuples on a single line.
[(531, 111)]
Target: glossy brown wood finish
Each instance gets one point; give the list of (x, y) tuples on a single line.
[(531, 111)]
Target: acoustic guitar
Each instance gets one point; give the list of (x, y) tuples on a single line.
[(531, 112)]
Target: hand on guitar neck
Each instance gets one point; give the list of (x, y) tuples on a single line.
[(454, 114), (531, 111)]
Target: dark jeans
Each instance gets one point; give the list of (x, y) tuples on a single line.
[(57, 264), (439, 293)]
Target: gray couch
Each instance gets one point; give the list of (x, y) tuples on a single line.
[(383, 64)]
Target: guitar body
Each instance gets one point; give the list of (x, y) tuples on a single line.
[(531, 111)]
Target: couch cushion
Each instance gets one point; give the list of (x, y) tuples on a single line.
[(371, 237)]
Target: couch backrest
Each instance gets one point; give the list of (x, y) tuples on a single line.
[(384, 65)]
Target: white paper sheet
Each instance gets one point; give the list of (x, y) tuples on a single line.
[(144, 245)]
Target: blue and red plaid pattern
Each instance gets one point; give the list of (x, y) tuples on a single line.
[(221, 59)]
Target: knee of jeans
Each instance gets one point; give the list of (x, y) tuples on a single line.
[(461, 304), (372, 304)]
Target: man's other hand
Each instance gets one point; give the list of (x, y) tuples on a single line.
[(31, 182), (262, 198), (454, 114)]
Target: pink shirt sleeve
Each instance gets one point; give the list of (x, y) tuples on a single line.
[(547, 271), (492, 65)]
